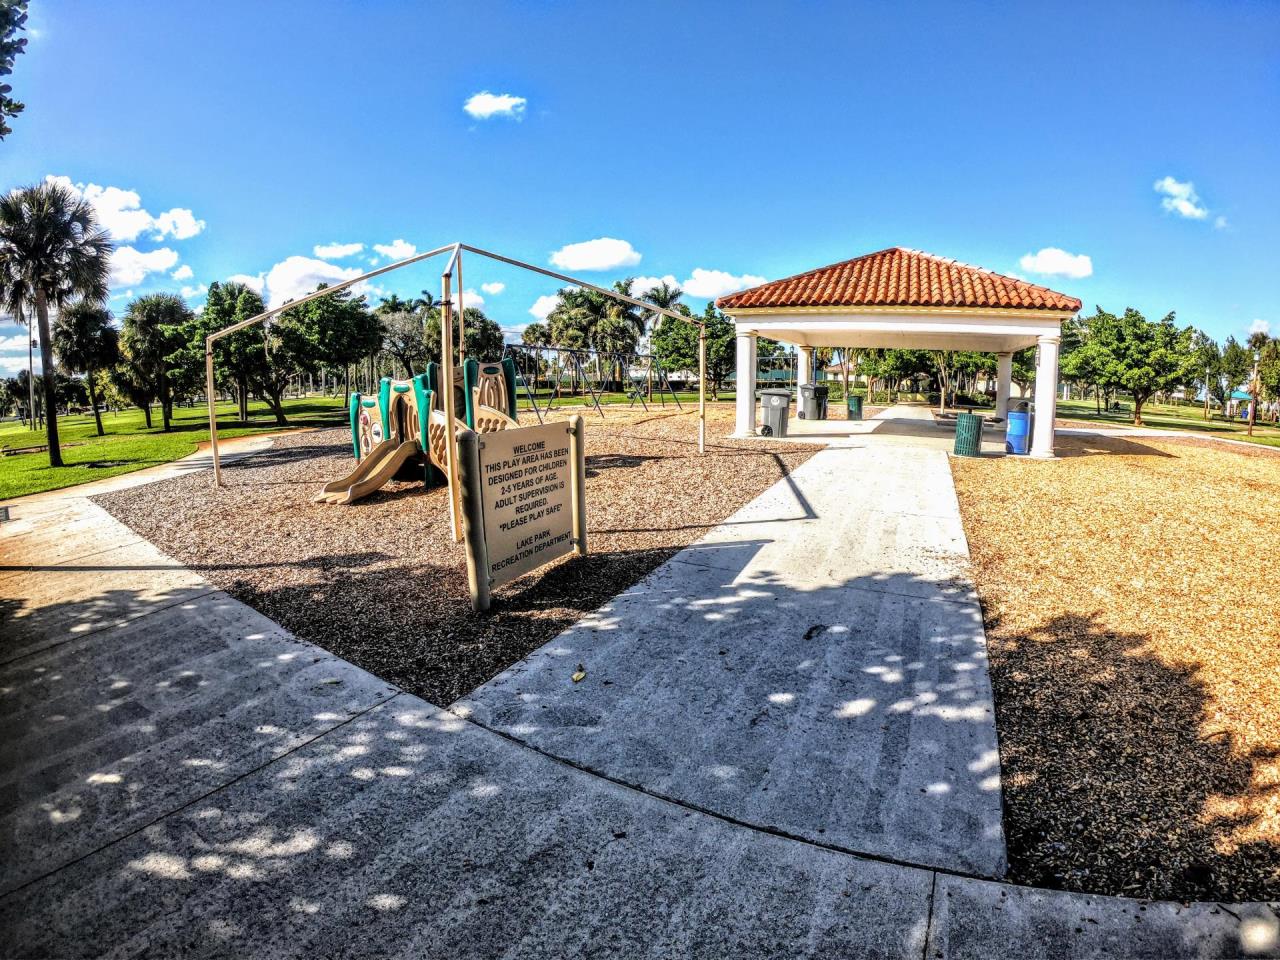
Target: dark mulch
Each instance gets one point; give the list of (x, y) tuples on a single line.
[(1133, 625), (382, 584)]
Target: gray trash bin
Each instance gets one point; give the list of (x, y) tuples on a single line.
[(775, 407), (807, 402)]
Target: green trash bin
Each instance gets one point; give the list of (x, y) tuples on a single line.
[(855, 406), (968, 435)]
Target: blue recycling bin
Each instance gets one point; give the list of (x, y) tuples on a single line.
[(1017, 434)]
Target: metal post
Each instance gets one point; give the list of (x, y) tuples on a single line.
[(213, 415), (462, 314), (702, 389), (446, 394), (577, 452), (473, 520)]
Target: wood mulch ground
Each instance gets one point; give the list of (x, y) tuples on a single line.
[(381, 582), (1131, 592)]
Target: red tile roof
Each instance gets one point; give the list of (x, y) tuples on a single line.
[(899, 277)]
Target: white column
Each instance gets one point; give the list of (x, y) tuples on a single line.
[(1004, 383), (1046, 397), (804, 366), (746, 386)]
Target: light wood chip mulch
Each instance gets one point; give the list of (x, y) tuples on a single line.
[(1132, 598), (381, 582)]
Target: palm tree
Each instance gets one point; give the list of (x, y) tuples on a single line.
[(51, 242), (86, 343), (153, 330)]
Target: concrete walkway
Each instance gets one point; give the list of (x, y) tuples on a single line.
[(815, 666), (181, 777)]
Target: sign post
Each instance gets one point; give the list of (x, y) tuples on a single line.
[(523, 501)]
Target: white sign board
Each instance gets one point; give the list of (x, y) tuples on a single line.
[(526, 477)]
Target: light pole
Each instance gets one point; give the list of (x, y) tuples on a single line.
[(1253, 391), (1207, 371)]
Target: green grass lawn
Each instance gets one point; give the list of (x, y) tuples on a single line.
[(128, 445), (1162, 416)]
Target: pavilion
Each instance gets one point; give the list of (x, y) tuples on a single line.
[(905, 299)]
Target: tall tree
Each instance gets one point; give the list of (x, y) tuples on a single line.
[(1148, 357), (86, 342), (483, 336), (1208, 365), (13, 20), (338, 330), (50, 239), (155, 328), (535, 335), (239, 358), (1234, 367), (403, 337), (132, 382)]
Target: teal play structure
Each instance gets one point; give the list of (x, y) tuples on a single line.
[(400, 434)]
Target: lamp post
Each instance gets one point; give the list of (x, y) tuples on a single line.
[(1253, 391), (1207, 371)]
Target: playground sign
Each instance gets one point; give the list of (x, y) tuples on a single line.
[(522, 501)]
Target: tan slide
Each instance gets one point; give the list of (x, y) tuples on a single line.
[(374, 472)]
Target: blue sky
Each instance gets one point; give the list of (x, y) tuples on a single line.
[(749, 140)]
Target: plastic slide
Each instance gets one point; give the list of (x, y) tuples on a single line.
[(373, 472)]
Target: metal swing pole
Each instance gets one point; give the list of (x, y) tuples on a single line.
[(446, 390)]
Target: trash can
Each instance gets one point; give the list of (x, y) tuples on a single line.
[(807, 402), (1017, 435), (775, 407), (822, 392), (854, 404), (968, 435)]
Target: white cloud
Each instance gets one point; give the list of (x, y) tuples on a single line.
[(1219, 223), (543, 306), (199, 290), (603, 253), (297, 276), (472, 299), (130, 266), (493, 289), (120, 212), (336, 251), (255, 283), (484, 105), (11, 365), (644, 284), (1180, 198), (14, 343), (179, 223), (396, 249), (1260, 326), (184, 272), (709, 284), (1056, 262)]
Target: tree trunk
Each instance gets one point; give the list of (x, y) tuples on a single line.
[(166, 403), (1138, 401), (93, 401), (146, 413), (272, 397), (242, 399), (50, 390)]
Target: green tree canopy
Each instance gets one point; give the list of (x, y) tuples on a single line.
[(13, 20), (155, 328), (86, 342)]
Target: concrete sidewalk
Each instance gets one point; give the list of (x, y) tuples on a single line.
[(179, 777), (816, 666)]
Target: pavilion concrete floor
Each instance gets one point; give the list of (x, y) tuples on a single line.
[(181, 776)]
